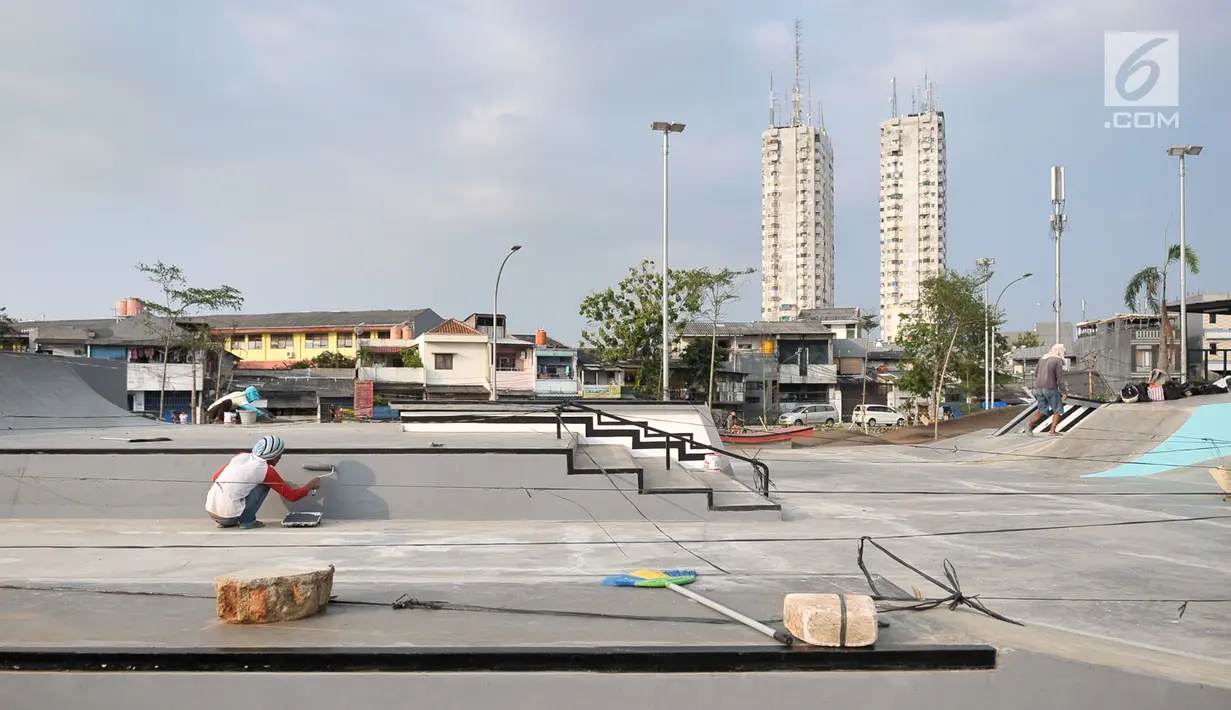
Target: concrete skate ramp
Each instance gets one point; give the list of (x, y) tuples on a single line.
[(1139, 439), (47, 392)]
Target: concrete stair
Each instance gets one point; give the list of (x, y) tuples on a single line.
[(721, 493)]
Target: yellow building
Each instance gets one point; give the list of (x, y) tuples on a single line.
[(267, 341)]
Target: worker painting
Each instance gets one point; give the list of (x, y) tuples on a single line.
[(239, 488)]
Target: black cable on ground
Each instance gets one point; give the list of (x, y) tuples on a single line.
[(955, 599)]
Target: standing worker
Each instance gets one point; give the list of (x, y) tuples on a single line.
[(1049, 389), (240, 487)]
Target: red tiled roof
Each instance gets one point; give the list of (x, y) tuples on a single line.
[(453, 326)]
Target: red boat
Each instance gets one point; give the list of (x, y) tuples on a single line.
[(765, 437)]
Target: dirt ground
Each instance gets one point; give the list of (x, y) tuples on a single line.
[(909, 435)]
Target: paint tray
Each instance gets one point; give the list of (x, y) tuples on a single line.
[(302, 519)]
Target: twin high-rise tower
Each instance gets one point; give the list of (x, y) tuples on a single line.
[(913, 186), (797, 229), (797, 208)]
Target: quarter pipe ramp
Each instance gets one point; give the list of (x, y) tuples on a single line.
[(47, 392)]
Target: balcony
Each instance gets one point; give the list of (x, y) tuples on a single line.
[(385, 343), (398, 375), (814, 374), (1146, 336), (511, 380), (147, 377)]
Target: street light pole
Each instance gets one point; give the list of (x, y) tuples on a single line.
[(667, 128), (496, 317), (986, 264), (996, 310), (1180, 152)]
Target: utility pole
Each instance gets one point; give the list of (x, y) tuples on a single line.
[(986, 265), (1181, 151), (667, 128), (1058, 223)]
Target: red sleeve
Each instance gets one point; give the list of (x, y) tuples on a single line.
[(282, 488)]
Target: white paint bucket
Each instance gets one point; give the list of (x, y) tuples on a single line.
[(713, 462)]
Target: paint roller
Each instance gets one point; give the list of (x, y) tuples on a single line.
[(330, 469)]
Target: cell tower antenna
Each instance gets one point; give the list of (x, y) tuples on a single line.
[(809, 103), (796, 118), (893, 97), (914, 105), (773, 104), (927, 94)]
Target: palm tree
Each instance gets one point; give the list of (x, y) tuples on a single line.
[(1148, 287)]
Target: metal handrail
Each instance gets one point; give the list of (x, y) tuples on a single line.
[(760, 468)]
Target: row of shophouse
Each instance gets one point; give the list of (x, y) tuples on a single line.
[(307, 363)]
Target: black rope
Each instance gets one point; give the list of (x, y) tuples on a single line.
[(955, 599), (407, 602)]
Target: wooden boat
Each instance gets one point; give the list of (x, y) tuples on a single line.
[(765, 437)]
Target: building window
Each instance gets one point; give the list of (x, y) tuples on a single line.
[(444, 361), (237, 342), (1142, 359), (346, 340), (281, 340), (1213, 318), (256, 342), (316, 341)]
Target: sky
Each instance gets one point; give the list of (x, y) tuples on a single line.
[(386, 154)]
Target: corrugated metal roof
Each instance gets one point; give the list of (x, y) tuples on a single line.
[(135, 330), (318, 319), (793, 327), (829, 314), (551, 342)]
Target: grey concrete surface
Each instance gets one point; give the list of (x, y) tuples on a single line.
[(1026, 681), (1097, 568), (45, 392)]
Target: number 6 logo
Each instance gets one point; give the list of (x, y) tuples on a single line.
[(1134, 63), (1141, 69)]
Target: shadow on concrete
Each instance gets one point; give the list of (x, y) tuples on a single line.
[(348, 496)]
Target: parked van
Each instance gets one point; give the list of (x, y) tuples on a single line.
[(811, 414), (877, 415)]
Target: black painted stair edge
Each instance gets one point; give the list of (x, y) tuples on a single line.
[(593, 659)]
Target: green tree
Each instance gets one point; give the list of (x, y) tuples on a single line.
[(624, 323), (1148, 288), (411, 357), (868, 324), (6, 323), (718, 290), (179, 302), (943, 343), (333, 360), (698, 358), (1028, 339)]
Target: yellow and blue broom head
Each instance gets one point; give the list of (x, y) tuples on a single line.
[(652, 578)]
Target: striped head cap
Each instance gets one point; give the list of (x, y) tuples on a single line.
[(268, 448)]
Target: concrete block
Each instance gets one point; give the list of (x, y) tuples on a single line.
[(267, 596), (835, 620)]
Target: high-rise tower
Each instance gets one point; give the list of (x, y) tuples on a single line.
[(913, 180), (797, 226)]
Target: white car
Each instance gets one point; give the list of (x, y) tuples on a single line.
[(877, 415), (825, 414)]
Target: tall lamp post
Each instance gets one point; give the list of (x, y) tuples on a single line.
[(496, 317), (986, 264), (667, 128), (996, 309), (1181, 151)]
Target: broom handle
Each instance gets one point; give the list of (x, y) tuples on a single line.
[(779, 636)]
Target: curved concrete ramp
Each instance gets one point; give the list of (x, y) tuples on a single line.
[(1204, 435), (47, 392), (1140, 439)]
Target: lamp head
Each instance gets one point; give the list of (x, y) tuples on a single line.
[(515, 247)]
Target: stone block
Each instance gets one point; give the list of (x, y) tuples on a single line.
[(267, 596), (835, 620)]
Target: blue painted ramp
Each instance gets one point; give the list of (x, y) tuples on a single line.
[(1206, 435)]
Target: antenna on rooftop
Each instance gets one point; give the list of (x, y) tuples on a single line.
[(773, 104), (893, 97), (795, 91)]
